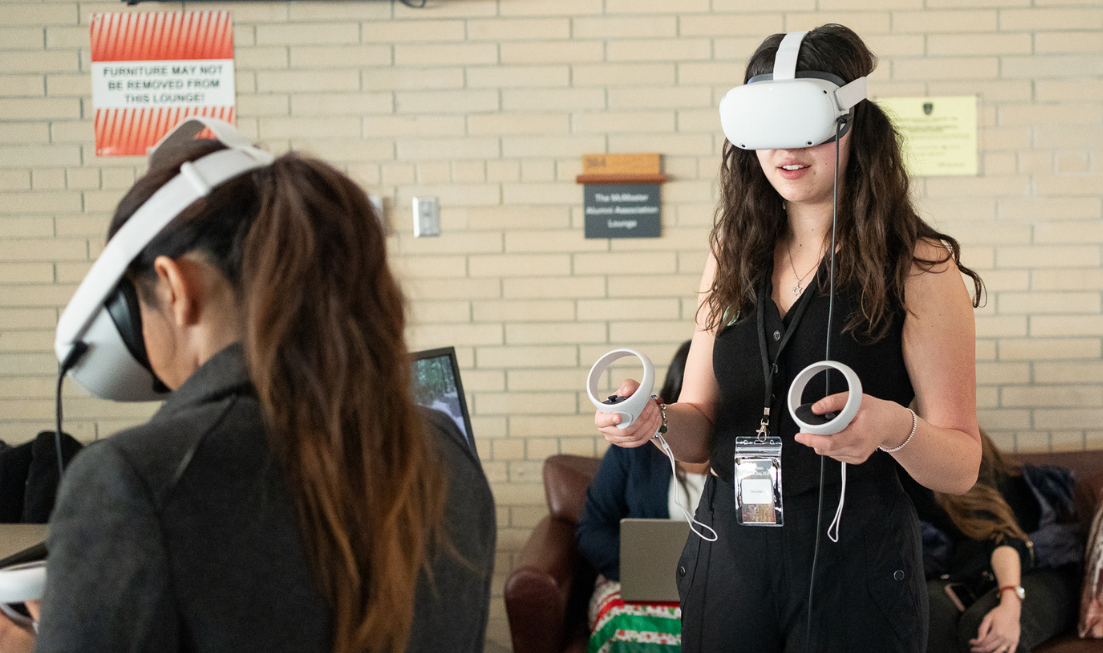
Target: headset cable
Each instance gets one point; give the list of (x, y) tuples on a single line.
[(827, 376)]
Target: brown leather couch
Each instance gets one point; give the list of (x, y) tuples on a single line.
[(547, 593)]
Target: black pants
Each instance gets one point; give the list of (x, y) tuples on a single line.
[(748, 591), (1050, 608)]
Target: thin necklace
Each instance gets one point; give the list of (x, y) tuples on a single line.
[(797, 287)]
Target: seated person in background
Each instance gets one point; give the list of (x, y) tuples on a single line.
[(635, 483), (1001, 543)]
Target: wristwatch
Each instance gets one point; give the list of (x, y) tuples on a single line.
[(1019, 591)]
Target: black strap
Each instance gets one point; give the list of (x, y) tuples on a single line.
[(768, 368)]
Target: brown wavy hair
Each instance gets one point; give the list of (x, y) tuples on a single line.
[(982, 513), (324, 343), (878, 227)]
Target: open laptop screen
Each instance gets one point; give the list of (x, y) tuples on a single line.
[(437, 385)]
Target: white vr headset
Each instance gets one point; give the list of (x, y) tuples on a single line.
[(786, 109), (101, 327)]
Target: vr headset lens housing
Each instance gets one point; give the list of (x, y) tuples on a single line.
[(787, 109), (103, 315), (109, 369)]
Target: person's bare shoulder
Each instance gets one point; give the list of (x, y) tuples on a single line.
[(932, 256)]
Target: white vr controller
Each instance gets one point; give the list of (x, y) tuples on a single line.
[(25, 582), (803, 415), (629, 408)]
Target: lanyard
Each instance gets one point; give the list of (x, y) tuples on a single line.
[(768, 369)]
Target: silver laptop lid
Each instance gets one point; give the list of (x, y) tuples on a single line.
[(649, 553)]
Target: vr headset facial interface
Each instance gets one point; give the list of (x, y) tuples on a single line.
[(102, 321), (786, 109)]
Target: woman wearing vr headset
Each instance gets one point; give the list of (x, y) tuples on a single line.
[(900, 317), (289, 495)]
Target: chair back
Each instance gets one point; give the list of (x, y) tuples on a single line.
[(566, 479), (1087, 469)]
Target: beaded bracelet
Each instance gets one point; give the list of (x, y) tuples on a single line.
[(662, 410), (915, 423)]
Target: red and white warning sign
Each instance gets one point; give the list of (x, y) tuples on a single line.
[(151, 70)]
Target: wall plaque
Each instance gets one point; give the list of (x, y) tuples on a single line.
[(622, 211), (621, 196)]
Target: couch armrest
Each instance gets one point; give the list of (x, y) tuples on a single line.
[(538, 592)]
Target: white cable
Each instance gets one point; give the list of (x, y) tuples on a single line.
[(689, 517), (838, 511)]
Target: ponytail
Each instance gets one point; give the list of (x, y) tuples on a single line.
[(325, 349), (324, 322)]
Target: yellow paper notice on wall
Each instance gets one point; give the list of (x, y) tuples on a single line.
[(940, 133)]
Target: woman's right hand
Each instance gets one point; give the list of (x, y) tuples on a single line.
[(640, 432), (1000, 629)]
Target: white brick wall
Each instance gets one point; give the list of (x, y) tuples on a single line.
[(488, 104)]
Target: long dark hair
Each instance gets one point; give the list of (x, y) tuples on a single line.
[(324, 322), (672, 383), (982, 513), (878, 226)]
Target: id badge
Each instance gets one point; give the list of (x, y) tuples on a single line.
[(758, 481)]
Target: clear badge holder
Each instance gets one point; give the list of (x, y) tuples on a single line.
[(758, 481)]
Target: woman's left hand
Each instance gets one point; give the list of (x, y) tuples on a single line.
[(999, 631), (878, 422)]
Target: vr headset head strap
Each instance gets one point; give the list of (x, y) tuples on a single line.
[(785, 61), (785, 68), (187, 130), (851, 94), (82, 314)]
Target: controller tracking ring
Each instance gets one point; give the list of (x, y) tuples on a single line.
[(853, 401), (630, 408)]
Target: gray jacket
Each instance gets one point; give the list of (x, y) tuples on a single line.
[(181, 535)]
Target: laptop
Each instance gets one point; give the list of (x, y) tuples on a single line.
[(437, 385), (649, 553)]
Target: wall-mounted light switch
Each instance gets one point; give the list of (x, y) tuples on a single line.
[(426, 217)]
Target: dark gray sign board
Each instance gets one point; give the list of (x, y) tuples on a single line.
[(622, 210)]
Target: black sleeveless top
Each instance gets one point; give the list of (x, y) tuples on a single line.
[(737, 363)]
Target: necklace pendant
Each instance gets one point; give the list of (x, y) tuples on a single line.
[(797, 290)]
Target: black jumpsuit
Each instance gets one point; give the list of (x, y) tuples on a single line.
[(749, 590)]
